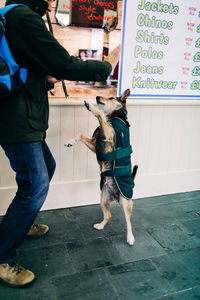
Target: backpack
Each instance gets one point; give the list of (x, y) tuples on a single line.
[(12, 76)]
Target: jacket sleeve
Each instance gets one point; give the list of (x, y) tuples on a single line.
[(40, 50)]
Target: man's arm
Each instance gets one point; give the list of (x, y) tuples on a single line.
[(40, 50)]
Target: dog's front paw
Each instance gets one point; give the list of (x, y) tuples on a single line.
[(99, 226), (130, 240), (91, 108)]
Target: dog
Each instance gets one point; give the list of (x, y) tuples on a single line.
[(111, 143)]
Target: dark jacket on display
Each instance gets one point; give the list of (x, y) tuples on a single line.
[(24, 118)]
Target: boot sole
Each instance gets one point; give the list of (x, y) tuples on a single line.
[(36, 235), (16, 285)]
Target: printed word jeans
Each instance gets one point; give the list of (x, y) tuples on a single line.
[(34, 166)]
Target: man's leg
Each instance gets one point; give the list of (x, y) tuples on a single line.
[(38, 230), (33, 173), (49, 160)]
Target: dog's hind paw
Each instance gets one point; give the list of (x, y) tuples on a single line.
[(130, 240), (99, 226)]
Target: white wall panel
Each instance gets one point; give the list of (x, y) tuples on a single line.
[(80, 151), (7, 176), (166, 146), (67, 130), (92, 166)]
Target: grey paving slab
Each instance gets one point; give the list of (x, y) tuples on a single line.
[(48, 261), (192, 227), (181, 269), (41, 289), (91, 285), (75, 261), (173, 237), (8, 293), (190, 294), (144, 247), (168, 199), (52, 216), (138, 280), (94, 254), (86, 217), (144, 215), (61, 230)]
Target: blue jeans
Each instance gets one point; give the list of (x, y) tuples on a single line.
[(34, 166)]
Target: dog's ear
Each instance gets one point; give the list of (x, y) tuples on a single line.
[(125, 95)]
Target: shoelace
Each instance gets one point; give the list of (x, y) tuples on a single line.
[(16, 267)]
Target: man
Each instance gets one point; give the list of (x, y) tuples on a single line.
[(23, 123)]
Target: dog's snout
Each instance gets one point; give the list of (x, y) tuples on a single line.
[(99, 100)]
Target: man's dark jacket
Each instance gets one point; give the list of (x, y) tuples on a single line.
[(24, 118)]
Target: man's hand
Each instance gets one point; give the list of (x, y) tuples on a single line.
[(53, 79)]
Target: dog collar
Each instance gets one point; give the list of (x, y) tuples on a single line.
[(116, 116), (119, 117), (113, 116)]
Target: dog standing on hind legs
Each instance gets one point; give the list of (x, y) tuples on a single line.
[(111, 143)]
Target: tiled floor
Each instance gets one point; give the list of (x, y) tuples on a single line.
[(75, 261)]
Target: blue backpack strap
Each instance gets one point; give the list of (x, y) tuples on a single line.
[(14, 79), (117, 154), (4, 10)]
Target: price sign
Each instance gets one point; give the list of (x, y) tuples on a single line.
[(160, 48)]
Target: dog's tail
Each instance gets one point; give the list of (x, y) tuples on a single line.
[(135, 168)]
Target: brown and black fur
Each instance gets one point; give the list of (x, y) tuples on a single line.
[(103, 140)]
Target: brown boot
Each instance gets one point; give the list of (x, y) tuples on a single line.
[(38, 230), (15, 275)]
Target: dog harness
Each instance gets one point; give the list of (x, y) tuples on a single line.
[(121, 158)]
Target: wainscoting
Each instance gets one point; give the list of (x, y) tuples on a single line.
[(165, 141)]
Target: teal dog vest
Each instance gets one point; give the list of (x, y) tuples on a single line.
[(121, 169)]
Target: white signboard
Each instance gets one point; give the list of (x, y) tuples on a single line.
[(160, 48)]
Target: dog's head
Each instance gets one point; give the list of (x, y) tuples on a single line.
[(109, 105)]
